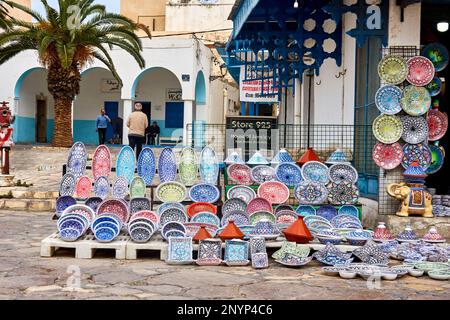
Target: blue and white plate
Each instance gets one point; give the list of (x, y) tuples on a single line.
[(350, 210), (105, 234), (76, 162), (284, 156), (387, 99), (240, 218), (204, 192), (167, 205), (308, 192), (305, 210), (206, 217), (242, 192), (170, 226), (101, 187), (209, 166), (146, 165), (262, 173), (235, 204), (63, 202), (328, 212), (173, 215), (257, 159), (67, 185), (126, 163), (289, 173), (315, 171), (120, 188), (341, 171), (167, 165)]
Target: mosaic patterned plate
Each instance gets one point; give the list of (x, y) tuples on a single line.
[(438, 54), (349, 210), (193, 227), (275, 192), (261, 174), (286, 216), (137, 188), (370, 253), (311, 193), (421, 71), (327, 212), (387, 99), (387, 129), (259, 204), (120, 188), (171, 191), (209, 250), (167, 205), (437, 159), (180, 250), (232, 205), (305, 210), (200, 207), (283, 207), (289, 173), (344, 192), (167, 165), (416, 101), (152, 216), (204, 192), (437, 124), (77, 159), (338, 220), (114, 206), (139, 204), (236, 251), (315, 171), (341, 171), (67, 185), (242, 192), (101, 162), (240, 173), (393, 69), (387, 156), (240, 218), (126, 163), (434, 87), (206, 217), (415, 129), (146, 165), (63, 202), (101, 187), (261, 215), (209, 166), (84, 187), (93, 203), (416, 152), (188, 168), (173, 215)]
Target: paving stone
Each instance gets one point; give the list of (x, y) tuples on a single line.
[(26, 281), (116, 277)]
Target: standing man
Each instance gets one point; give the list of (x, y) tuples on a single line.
[(137, 124), (101, 125), (155, 131)]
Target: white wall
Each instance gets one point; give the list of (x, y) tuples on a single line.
[(406, 32), (216, 111), (33, 85)]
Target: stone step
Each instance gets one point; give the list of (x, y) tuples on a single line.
[(25, 193), (36, 205)]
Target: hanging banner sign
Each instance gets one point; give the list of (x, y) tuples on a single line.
[(174, 95), (250, 90)]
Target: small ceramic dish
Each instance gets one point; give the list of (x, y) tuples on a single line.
[(356, 241), (439, 274), (331, 240), (389, 275), (345, 274), (416, 272)]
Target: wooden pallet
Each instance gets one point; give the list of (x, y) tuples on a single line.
[(155, 244), (85, 247)]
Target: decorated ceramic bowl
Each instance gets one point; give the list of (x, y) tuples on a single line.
[(242, 192), (259, 204), (171, 191), (204, 192), (275, 192), (240, 174), (262, 173)]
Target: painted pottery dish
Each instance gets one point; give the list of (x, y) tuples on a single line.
[(440, 274), (141, 234), (173, 215), (265, 229), (126, 163), (209, 250), (433, 236), (437, 124), (330, 255), (304, 210), (115, 206), (93, 203), (407, 235), (421, 71), (260, 260), (200, 207), (393, 69), (193, 227), (282, 207), (315, 171), (111, 218), (338, 156), (152, 216), (206, 217), (167, 165), (415, 129), (341, 171), (180, 250), (101, 162), (120, 188), (437, 159), (204, 192), (434, 87), (233, 157), (167, 205), (80, 209), (387, 156), (257, 159), (67, 185), (137, 188), (101, 187), (311, 193), (139, 204), (283, 156), (240, 218), (349, 210), (171, 191), (236, 251), (289, 173), (327, 212), (63, 202), (387, 99), (416, 152), (416, 101), (370, 253), (105, 234), (261, 174), (188, 167), (262, 215), (242, 192), (438, 54), (240, 173), (209, 166), (234, 204), (387, 129), (146, 165), (338, 220), (288, 247), (344, 192), (316, 217), (259, 204), (77, 159), (84, 187), (170, 226), (285, 216), (275, 192)]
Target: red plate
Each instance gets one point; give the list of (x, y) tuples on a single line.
[(387, 156), (240, 173), (275, 192), (101, 162), (84, 187), (437, 124), (146, 214), (258, 204), (197, 207), (116, 207), (421, 71)]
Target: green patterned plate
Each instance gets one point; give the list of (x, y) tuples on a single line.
[(137, 188), (393, 69), (262, 215), (416, 101), (188, 167), (387, 129), (171, 191)]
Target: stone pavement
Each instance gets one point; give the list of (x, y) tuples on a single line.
[(24, 275)]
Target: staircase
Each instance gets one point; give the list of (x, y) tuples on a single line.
[(23, 199)]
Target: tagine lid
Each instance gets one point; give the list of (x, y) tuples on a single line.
[(298, 231), (258, 159), (202, 234), (309, 155), (231, 231), (337, 156), (233, 157), (415, 170)]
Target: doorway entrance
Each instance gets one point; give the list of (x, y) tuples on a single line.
[(41, 121), (112, 111)]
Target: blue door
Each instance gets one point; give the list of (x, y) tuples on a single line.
[(112, 111), (174, 115)]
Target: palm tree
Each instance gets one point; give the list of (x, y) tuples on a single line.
[(67, 39), (4, 21)]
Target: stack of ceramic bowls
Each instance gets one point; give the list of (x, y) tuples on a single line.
[(173, 229), (142, 227), (106, 227), (327, 236), (74, 222), (358, 237)]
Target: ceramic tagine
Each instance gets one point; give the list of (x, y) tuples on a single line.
[(201, 234), (382, 233), (257, 159), (407, 235), (433, 236), (308, 156), (298, 232), (337, 156), (233, 157), (282, 156), (231, 231)]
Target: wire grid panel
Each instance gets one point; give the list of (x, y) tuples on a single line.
[(213, 135)]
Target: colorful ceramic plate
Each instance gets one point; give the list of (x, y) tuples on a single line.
[(171, 191), (416, 101), (305, 210), (146, 165), (393, 69), (93, 203), (344, 192), (438, 54), (120, 188), (259, 204), (116, 207), (283, 207), (437, 124), (415, 129), (167, 205), (311, 193), (315, 171), (77, 159), (240, 173), (341, 171), (188, 168), (101, 162), (137, 187), (206, 217), (421, 71), (200, 207), (261, 174), (437, 159), (240, 218), (209, 166), (286, 216), (172, 215), (387, 129), (63, 202), (126, 163), (167, 165), (84, 187), (289, 173), (146, 214), (275, 192), (262, 215), (232, 205), (242, 192), (327, 212), (416, 152), (67, 185), (387, 99), (139, 204), (349, 210), (434, 87), (101, 187), (387, 156), (204, 192)]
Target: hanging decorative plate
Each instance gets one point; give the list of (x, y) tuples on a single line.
[(327, 212), (125, 163), (67, 185), (275, 192), (204, 192), (387, 156), (315, 171), (76, 162), (286, 216), (188, 166), (437, 124), (259, 204), (393, 69), (171, 191), (387, 129), (93, 203), (84, 187), (101, 187), (438, 54), (387, 99), (240, 173), (416, 101), (137, 188), (167, 205), (206, 217), (114, 206), (305, 211), (173, 215), (63, 202), (167, 165), (262, 215), (311, 193), (140, 204), (242, 192), (209, 166), (200, 207), (261, 174), (415, 129), (341, 171), (101, 162), (240, 218), (344, 192), (232, 205), (120, 188), (434, 87), (289, 173), (421, 71), (416, 152), (349, 210), (437, 159), (146, 165)]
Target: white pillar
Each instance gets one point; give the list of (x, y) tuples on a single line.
[(188, 118), (297, 102), (127, 110)]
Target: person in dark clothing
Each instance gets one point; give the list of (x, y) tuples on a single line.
[(154, 132), (117, 124), (102, 125)]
